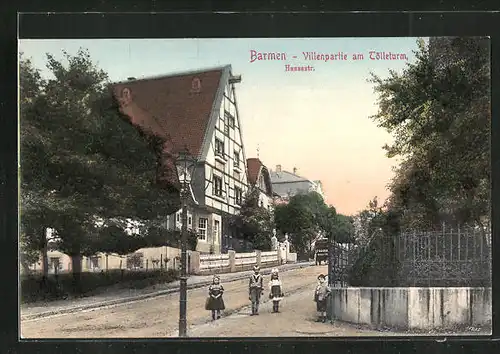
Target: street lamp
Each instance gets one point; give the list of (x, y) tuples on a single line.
[(185, 164)]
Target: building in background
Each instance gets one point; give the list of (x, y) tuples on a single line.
[(287, 184), (197, 110), (259, 177)]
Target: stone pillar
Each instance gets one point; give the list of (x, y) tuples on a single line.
[(232, 260), (258, 257), (194, 265), (278, 252)]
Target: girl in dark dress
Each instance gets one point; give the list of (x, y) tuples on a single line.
[(215, 302)]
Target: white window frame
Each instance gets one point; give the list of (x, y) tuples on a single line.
[(214, 190), (236, 162), (238, 201), (217, 143), (202, 236)]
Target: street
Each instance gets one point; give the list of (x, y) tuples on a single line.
[(158, 317)]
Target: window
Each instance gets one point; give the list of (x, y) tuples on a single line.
[(229, 118), (178, 215), (219, 147), (202, 228), (238, 195), (190, 221), (217, 186), (237, 159)]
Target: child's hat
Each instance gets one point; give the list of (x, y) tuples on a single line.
[(256, 267), (321, 276)]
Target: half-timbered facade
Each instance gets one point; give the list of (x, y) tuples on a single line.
[(197, 110), (258, 177)]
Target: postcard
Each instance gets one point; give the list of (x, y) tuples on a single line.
[(255, 187)]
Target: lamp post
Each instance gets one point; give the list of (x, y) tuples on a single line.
[(184, 164)]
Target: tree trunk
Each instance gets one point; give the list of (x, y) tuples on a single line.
[(44, 250), (76, 266)]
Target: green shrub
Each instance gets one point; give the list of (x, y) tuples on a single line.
[(34, 288)]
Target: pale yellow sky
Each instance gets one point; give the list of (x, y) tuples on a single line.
[(340, 145)]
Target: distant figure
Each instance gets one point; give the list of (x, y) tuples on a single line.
[(320, 297), (215, 302), (275, 290), (255, 289)]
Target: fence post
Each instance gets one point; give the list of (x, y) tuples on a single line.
[(232, 260), (147, 263), (258, 257), (194, 265)]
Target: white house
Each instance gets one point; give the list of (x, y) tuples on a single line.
[(287, 184), (196, 110)]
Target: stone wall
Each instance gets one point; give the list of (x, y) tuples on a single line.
[(412, 308)]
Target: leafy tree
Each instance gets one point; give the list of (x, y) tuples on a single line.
[(304, 218), (80, 158), (254, 222), (344, 229), (438, 111)]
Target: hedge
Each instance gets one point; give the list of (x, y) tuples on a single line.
[(61, 286)]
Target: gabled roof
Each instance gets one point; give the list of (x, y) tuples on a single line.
[(255, 168), (170, 106), (286, 177)]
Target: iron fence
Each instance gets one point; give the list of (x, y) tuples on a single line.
[(448, 257)]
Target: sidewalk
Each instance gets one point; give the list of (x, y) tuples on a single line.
[(44, 309)]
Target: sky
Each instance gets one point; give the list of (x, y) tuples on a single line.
[(316, 121)]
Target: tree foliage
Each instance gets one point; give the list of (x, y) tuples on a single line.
[(80, 159), (438, 111), (307, 216), (254, 222)]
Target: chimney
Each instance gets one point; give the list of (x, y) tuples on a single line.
[(278, 168), (295, 170), (130, 78)]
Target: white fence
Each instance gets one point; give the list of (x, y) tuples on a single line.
[(243, 259), (267, 257), (214, 261)]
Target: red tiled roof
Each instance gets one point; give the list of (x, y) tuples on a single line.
[(171, 108), (253, 167)]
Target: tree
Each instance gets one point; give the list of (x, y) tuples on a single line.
[(304, 218), (438, 110), (254, 222), (81, 158)]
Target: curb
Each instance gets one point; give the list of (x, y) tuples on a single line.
[(153, 294)]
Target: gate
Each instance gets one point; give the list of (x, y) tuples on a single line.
[(341, 257)]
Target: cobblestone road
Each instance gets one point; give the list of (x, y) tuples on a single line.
[(158, 317)]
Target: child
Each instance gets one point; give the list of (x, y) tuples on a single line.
[(275, 290), (320, 297), (255, 290), (214, 302)]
